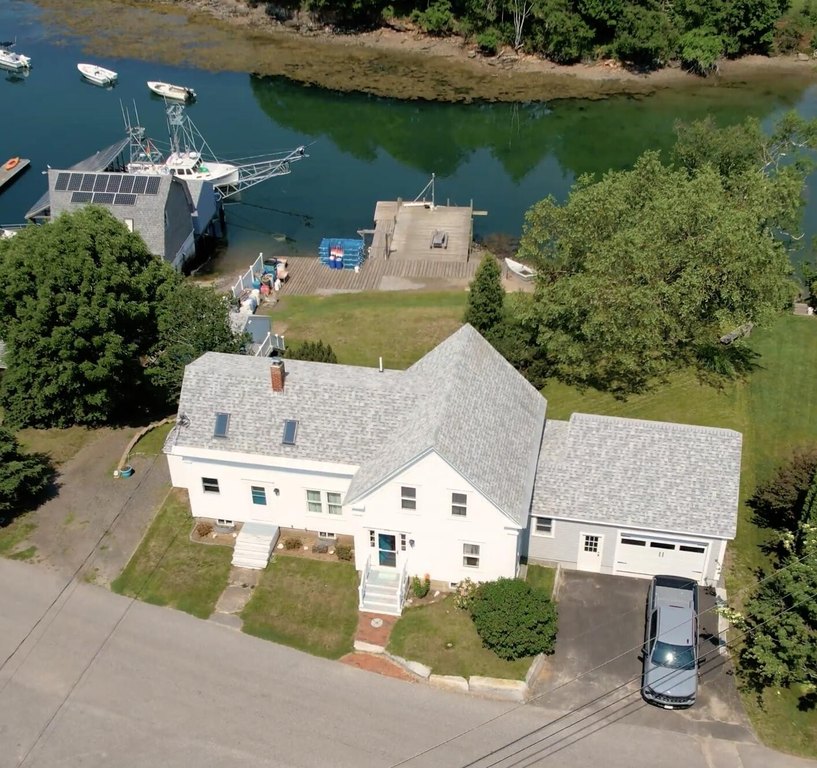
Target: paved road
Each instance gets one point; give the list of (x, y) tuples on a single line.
[(105, 681)]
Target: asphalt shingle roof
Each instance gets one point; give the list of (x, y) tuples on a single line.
[(462, 400), (640, 474), (475, 411)]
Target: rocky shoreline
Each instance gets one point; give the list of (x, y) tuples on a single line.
[(228, 35)]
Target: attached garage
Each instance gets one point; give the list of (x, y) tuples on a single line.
[(648, 555), (635, 498)]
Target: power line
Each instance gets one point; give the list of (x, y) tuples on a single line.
[(580, 675)]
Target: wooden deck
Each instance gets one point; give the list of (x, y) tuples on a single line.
[(7, 175), (309, 276)]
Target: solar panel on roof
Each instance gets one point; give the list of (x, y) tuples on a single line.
[(101, 183), (62, 182), (88, 182), (127, 184), (74, 182), (103, 198), (290, 430), (121, 199), (139, 184), (153, 186), (113, 183), (222, 425), (81, 197)]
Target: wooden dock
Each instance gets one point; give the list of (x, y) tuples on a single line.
[(7, 175)]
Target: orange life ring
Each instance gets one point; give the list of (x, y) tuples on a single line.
[(11, 163)]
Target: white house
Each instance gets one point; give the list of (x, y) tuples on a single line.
[(449, 468)]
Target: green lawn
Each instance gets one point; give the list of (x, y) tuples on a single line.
[(60, 444), (781, 724), (399, 326), (151, 443), (169, 569), (307, 604), (13, 534), (443, 637), (541, 577)]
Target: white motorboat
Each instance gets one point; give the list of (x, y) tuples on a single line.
[(97, 75), (520, 270), (11, 60), (168, 91)]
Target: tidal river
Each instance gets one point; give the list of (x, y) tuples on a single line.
[(361, 149)]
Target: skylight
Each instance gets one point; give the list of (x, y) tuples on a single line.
[(290, 429), (222, 425)]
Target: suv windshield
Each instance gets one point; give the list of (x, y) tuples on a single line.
[(673, 656)]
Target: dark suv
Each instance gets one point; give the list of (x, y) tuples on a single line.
[(670, 653)]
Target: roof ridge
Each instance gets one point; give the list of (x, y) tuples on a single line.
[(655, 423)]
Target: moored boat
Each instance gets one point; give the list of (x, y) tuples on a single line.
[(170, 91), (11, 60), (97, 75), (520, 270)]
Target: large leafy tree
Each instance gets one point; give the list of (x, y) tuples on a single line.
[(780, 619), (779, 504), (191, 320), (644, 270), (75, 312), (23, 476)]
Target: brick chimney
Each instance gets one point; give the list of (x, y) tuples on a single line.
[(277, 375)]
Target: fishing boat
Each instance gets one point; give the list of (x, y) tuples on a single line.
[(97, 75), (168, 91), (10, 59), (520, 270)]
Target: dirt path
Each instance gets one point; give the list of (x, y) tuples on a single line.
[(95, 522)]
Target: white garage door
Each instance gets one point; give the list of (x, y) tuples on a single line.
[(641, 555)]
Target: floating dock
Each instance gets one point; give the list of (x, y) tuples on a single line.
[(7, 174)]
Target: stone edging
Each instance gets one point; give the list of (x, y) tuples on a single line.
[(123, 462), (492, 687)]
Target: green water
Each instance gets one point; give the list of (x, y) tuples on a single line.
[(362, 149)]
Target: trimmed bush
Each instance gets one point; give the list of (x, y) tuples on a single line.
[(204, 528), (344, 552), (292, 543), (513, 619)]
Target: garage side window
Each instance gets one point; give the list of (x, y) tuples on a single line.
[(543, 526), (470, 555), (209, 485)]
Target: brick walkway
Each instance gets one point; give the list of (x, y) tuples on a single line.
[(375, 635), (381, 665)]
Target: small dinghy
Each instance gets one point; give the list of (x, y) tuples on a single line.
[(520, 270), (97, 75), (168, 91)]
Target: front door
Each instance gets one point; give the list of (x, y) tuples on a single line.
[(387, 550), (589, 557)]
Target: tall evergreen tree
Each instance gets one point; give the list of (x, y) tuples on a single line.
[(486, 298), (23, 476)]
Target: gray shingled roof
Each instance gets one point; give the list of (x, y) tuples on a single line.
[(462, 400), (344, 412), (640, 474), (477, 413)]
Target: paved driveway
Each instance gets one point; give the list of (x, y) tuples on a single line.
[(596, 665)]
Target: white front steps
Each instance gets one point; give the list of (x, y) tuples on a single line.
[(254, 544), (381, 592)]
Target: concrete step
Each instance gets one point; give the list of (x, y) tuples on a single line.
[(381, 592)]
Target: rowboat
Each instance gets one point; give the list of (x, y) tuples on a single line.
[(169, 91), (97, 75), (520, 270)]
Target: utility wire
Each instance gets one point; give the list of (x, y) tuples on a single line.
[(582, 674)]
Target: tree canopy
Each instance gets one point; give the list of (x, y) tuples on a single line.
[(642, 271), (23, 477), (83, 307)]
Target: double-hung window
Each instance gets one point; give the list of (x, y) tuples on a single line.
[(333, 503), (209, 485), (313, 502), (459, 504), (470, 555), (259, 495), (543, 526), (408, 497)]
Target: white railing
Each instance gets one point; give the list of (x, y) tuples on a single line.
[(244, 282), (402, 587), (270, 342), (364, 574)]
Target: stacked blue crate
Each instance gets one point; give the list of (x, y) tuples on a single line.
[(341, 253)]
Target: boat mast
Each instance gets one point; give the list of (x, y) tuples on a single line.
[(184, 136)]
